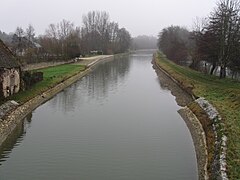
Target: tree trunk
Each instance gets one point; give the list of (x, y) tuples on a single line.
[(194, 65), (223, 71), (213, 68)]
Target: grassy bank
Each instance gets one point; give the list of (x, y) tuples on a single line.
[(51, 77), (224, 94)]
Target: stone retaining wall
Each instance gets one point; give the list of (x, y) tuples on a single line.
[(199, 140), (219, 170), (219, 165)]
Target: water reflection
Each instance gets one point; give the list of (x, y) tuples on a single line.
[(120, 125), (108, 77), (15, 138), (182, 98)]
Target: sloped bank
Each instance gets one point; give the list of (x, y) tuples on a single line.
[(204, 123), (13, 118), (183, 99)]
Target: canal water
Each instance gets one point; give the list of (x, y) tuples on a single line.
[(117, 123)]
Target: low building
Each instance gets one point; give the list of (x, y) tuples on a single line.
[(9, 72)]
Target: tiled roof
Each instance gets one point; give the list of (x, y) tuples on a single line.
[(7, 59)]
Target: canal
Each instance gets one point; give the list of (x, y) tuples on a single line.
[(116, 123)]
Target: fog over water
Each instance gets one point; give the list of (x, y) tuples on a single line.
[(138, 17)]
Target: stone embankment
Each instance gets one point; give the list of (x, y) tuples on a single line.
[(218, 166), (11, 114), (199, 140), (183, 98)]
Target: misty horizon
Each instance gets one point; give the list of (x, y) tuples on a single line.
[(140, 18)]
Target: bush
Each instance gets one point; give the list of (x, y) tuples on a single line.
[(31, 78)]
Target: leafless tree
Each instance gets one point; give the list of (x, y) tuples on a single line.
[(17, 40), (95, 30), (62, 40), (30, 33), (19, 32), (98, 33), (222, 25), (219, 40)]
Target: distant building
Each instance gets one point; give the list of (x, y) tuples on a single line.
[(9, 72), (21, 45)]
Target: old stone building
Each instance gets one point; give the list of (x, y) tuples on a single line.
[(9, 72)]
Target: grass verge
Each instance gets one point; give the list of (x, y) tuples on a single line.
[(224, 94), (51, 77)]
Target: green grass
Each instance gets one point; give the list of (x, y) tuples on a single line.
[(51, 77), (224, 94)]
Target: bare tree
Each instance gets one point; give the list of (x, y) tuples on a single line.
[(98, 33), (224, 25), (96, 30), (65, 28), (62, 40), (30, 33), (19, 32), (17, 41), (219, 39), (52, 31), (113, 34)]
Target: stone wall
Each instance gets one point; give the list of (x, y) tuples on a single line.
[(10, 81), (218, 168), (199, 140)]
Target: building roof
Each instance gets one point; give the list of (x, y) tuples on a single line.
[(7, 59)]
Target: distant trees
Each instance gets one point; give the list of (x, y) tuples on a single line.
[(61, 40), (64, 40), (100, 34), (123, 41), (23, 43), (30, 33), (95, 31), (216, 41), (144, 42), (174, 42), (6, 38), (21, 40)]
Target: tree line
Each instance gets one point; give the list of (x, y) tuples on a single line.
[(144, 42), (214, 39), (64, 40)]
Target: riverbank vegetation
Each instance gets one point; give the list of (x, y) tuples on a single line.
[(211, 48), (213, 44), (144, 42), (224, 94), (64, 41), (51, 77)]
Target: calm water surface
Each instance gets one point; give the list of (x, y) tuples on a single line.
[(117, 123)]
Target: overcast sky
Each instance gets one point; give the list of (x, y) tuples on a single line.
[(137, 16)]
